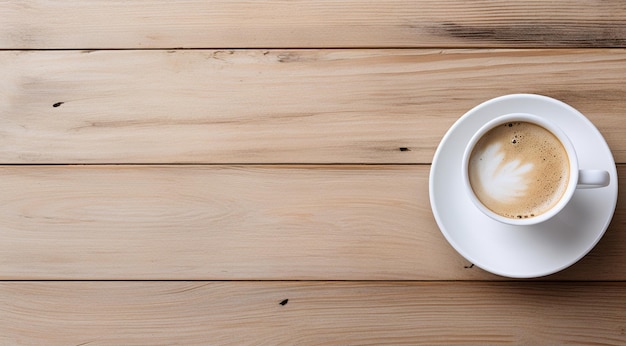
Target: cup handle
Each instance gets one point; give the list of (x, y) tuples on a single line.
[(592, 178)]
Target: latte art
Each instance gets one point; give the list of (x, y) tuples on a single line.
[(502, 180), (519, 170)]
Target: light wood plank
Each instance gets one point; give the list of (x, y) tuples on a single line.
[(247, 313), (308, 23), (249, 222), (280, 106)]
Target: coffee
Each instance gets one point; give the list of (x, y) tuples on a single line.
[(519, 170)]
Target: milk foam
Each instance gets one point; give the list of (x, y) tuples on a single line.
[(502, 180), (519, 170)]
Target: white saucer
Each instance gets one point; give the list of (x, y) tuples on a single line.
[(522, 251)]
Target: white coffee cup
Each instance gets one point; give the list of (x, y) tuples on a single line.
[(528, 179)]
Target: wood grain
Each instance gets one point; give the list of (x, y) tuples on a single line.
[(280, 106), (246, 313), (266, 143), (39, 24), (234, 223)]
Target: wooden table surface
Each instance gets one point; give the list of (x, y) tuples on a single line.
[(256, 172)]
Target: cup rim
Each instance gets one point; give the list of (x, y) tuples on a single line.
[(557, 132)]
